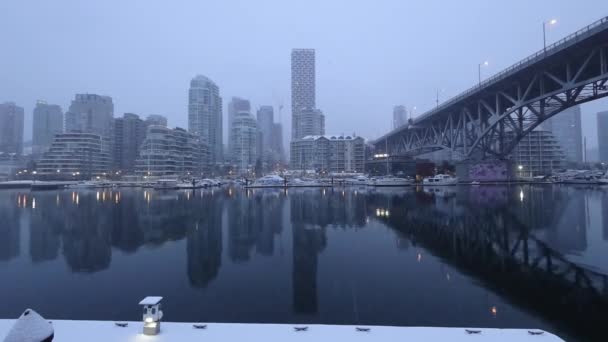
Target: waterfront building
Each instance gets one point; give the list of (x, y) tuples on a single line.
[(602, 136), (538, 153), (244, 141), (47, 122), (171, 152), (75, 155), (205, 115), (236, 104), (11, 128), (10, 163), (156, 120), (399, 116), (566, 128), (328, 153), (129, 133), (90, 113)]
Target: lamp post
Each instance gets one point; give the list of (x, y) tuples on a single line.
[(485, 63), (550, 22)]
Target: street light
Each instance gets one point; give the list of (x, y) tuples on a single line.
[(485, 64), (437, 98), (550, 22)]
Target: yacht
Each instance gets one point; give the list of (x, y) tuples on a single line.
[(304, 182), (165, 184), (583, 178), (358, 180), (270, 181), (90, 185), (440, 179), (391, 181), (192, 184)]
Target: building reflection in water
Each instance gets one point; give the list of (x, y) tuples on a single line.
[(461, 226), (204, 243), (9, 228)]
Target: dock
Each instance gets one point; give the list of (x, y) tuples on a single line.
[(93, 331)]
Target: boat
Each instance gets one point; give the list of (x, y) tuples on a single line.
[(391, 181), (358, 180), (41, 185), (19, 184), (585, 178), (304, 183), (165, 184), (269, 181), (90, 185), (440, 179), (196, 184)]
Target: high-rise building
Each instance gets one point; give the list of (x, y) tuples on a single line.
[(75, 155), (302, 79), (90, 113), (567, 129), (47, 122), (265, 118), (235, 105), (277, 141), (399, 116), (328, 153), (205, 115), (171, 152), (156, 120), (302, 83), (244, 141), (11, 128), (538, 153), (129, 133), (602, 137), (308, 122)]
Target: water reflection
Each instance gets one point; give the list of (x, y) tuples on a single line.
[(539, 249)]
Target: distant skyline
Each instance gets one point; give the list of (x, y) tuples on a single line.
[(369, 56)]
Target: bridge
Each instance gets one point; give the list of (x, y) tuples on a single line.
[(489, 119)]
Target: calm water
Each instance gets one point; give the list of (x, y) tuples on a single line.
[(526, 257)]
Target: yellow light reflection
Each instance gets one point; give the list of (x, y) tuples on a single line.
[(34, 203), (77, 199), (494, 311), (97, 196)]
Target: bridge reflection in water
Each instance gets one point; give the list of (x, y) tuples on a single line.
[(495, 241), (314, 255)]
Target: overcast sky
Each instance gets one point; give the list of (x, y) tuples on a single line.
[(371, 55)]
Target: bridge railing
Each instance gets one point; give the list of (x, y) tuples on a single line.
[(551, 49)]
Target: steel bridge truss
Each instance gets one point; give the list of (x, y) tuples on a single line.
[(491, 122)]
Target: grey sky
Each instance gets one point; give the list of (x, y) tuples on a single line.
[(371, 55)]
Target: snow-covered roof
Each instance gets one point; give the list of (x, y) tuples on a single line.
[(151, 300)]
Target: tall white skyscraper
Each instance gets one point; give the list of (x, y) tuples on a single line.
[(302, 85), (205, 115), (244, 141), (566, 128), (235, 105)]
